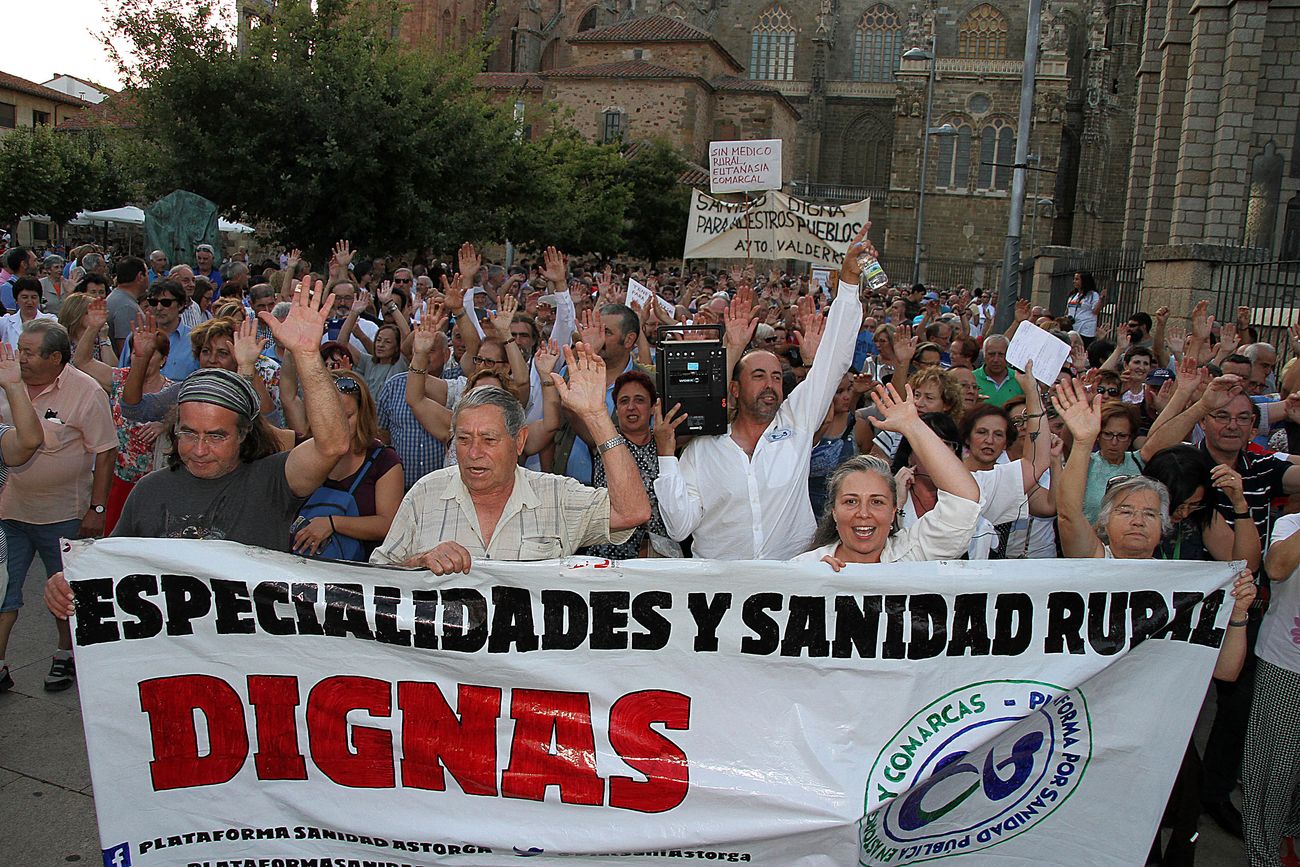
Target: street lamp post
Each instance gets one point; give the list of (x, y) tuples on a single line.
[(946, 130)]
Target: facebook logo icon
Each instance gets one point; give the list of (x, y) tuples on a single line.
[(118, 856)]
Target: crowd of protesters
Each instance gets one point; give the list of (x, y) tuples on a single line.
[(440, 414)]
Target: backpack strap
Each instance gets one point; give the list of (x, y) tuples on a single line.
[(361, 473)]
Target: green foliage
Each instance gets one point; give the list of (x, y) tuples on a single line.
[(325, 126), (579, 197), (31, 171), (660, 207)]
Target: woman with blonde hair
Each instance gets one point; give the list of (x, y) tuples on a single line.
[(934, 390), (72, 316)]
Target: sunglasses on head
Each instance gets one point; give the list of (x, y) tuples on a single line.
[(347, 385)]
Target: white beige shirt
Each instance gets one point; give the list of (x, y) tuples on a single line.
[(743, 508), (547, 516)]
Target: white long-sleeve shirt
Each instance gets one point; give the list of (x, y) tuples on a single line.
[(757, 509)]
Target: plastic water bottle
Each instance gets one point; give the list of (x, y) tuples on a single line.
[(871, 269)]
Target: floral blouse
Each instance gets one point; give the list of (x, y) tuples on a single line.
[(134, 452)]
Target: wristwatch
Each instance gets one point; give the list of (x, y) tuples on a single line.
[(98, 510), (611, 443)]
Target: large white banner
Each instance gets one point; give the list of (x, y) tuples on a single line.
[(772, 225), (250, 708)]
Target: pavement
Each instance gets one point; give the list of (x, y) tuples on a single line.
[(47, 808)]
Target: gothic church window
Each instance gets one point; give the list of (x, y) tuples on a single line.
[(877, 44), (444, 29), (982, 34), (771, 54), (997, 152), (672, 10), (588, 21), (954, 159)]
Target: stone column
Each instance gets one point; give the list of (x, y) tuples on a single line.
[(1147, 110), (1175, 51)]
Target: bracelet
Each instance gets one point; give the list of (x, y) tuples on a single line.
[(1238, 623), (547, 383), (611, 443), (332, 528), (1237, 516), (421, 371)]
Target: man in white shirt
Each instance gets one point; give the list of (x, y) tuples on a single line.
[(744, 495)]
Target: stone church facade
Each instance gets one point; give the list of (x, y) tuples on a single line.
[(1155, 122)]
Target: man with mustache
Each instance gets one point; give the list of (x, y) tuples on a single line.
[(744, 494)]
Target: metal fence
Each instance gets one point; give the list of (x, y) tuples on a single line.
[(1118, 274), (1267, 287), (944, 274)]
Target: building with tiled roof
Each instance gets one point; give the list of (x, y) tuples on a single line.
[(81, 88), (27, 103)]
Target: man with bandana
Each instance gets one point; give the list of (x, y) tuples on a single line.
[(224, 458)]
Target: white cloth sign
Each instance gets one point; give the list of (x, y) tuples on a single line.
[(744, 166), (244, 704), (772, 226)]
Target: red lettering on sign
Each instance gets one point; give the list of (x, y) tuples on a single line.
[(274, 698), (371, 766), (646, 750), (540, 714), (433, 737), (170, 703)]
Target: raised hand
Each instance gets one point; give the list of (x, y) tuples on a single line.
[(1293, 407), (361, 303), (425, 333), (1229, 340), (500, 321), (591, 329), (1080, 412), (95, 318), (294, 257), (1221, 391), (342, 254), (545, 358), (1293, 332), (850, 270), (738, 320), (555, 267), (812, 325), (904, 345), (469, 262), (1025, 378), (584, 393), (898, 413), (1022, 309), (385, 293), (10, 372), (301, 330), (247, 345), (1201, 320), (452, 295), (863, 383), (1162, 313), (665, 428), (144, 333), (1189, 375)]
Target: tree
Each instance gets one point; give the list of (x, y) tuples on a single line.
[(32, 172), (325, 125), (578, 198), (656, 220)]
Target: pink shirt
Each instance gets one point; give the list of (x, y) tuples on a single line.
[(55, 485)]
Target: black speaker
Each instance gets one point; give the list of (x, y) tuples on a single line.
[(693, 372)]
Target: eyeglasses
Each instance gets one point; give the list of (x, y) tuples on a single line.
[(1112, 390), (162, 302), (1127, 513), (347, 385), (1115, 435), (203, 248), (1243, 420), (401, 279), (488, 362), (193, 437)]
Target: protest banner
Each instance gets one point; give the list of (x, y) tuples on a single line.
[(744, 166), (772, 226), (249, 707)]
